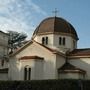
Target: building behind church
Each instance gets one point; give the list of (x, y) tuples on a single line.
[(3, 55), (51, 53)]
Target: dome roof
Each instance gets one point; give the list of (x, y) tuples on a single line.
[(55, 25)]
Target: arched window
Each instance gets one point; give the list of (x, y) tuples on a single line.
[(60, 40), (46, 40), (64, 41), (27, 73), (43, 40)]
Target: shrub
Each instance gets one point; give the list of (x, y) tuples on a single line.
[(46, 85)]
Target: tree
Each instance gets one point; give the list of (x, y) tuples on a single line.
[(16, 40)]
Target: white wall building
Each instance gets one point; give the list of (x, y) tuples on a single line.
[(3, 43), (3, 55), (51, 54)]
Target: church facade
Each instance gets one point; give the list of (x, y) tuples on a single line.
[(51, 53)]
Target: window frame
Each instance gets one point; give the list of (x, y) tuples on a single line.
[(45, 40), (27, 73), (62, 41)]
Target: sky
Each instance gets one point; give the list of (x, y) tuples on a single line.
[(25, 16)]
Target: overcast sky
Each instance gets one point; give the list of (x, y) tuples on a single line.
[(25, 15)]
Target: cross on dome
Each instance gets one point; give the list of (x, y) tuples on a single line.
[(55, 12)]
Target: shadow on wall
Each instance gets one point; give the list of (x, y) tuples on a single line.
[(82, 64), (49, 69)]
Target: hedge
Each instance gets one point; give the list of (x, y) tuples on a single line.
[(46, 85)]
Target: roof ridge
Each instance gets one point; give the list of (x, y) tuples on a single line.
[(83, 48), (31, 41), (50, 49), (67, 67)]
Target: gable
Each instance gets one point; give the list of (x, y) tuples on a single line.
[(34, 49), (37, 47)]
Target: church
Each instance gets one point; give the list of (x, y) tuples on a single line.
[(51, 53)]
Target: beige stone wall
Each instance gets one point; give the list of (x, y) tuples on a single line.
[(36, 68), (59, 62), (39, 70), (70, 76), (48, 66), (50, 39), (68, 45), (14, 69), (53, 42), (82, 63)]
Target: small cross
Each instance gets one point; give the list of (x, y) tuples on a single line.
[(55, 11)]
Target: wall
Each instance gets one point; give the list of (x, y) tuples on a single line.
[(3, 76), (82, 63), (68, 44), (39, 69), (36, 68), (37, 50), (69, 76), (5, 64), (3, 44), (50, 39), (59, 62), (3, 49), (25, 63), (53, 41), (14, 69)]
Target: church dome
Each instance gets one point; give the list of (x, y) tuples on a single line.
[(55, 25)]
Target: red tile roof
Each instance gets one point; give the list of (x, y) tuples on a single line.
[(56, 25), (69, 68), (31, 57), (80, 52)]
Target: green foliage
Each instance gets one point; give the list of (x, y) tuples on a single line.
[(16, 40), (45, 85)]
